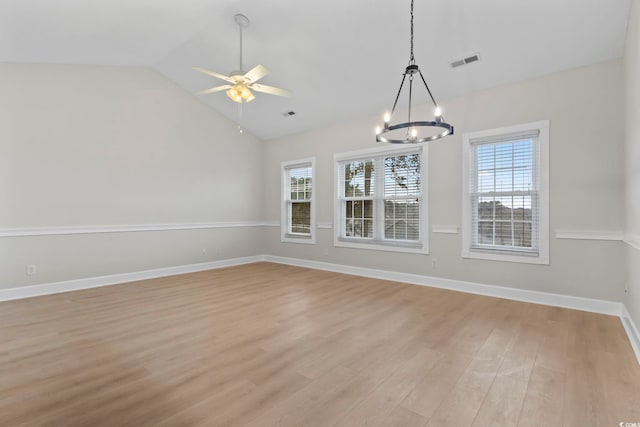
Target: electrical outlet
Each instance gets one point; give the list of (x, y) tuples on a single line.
[(204, 251), (30, 269), (434, 262)]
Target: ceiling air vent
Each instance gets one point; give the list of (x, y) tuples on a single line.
[(465, 61), (289, 113)]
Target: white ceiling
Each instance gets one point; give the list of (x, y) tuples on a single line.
[(341, 58)]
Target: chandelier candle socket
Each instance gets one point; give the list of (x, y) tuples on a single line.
[(409, 132)]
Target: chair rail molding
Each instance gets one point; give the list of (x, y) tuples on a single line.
[(633, 241), (124, 228), (590, 235)]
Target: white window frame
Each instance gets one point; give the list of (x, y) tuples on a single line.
[(542, 163), (421, 247), (286, 235)]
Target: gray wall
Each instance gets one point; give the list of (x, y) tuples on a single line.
[(586, 176), (95, 146), (632, 156), (103, 146)]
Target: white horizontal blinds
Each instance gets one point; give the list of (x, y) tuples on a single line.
[(402, 197), (381, 198), (299, 191), (504, 185), (357, 182)]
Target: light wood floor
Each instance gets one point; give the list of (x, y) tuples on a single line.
[(266, 345)]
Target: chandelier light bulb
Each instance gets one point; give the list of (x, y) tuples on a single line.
[(414, 133), (378, 130), (438, 112), (387, 119)]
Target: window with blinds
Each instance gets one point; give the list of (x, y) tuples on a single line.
[(358, 190), (402, 197), (297, 209), (380, 199), (506, 193)]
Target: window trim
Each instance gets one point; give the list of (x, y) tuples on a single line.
[(284, 213), (509, 255), (388, 246)]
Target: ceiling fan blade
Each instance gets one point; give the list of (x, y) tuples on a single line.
[(270, 90), (214, 89), (256, 73), (213, 74)]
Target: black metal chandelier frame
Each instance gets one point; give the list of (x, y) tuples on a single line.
[(412, 137)]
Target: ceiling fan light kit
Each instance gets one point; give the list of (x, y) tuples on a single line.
[(241, 83), (239, 93), (409, 132)]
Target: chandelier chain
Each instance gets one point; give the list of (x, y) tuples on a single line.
[(412, 59)]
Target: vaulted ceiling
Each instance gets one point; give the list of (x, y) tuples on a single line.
[(341, 58)]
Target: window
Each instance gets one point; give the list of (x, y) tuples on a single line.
[(505, 203), (380, 201), (298, 207)]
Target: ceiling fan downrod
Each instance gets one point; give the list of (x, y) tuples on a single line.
[(243, 22)]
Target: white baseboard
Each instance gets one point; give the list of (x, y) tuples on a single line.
[(556, 300), (632, 331), (577, 303), (115, 279)]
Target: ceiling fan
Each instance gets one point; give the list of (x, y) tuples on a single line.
[(241, 83)]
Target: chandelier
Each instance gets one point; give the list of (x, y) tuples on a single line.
[(411, 132)]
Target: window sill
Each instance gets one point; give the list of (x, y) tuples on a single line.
[(424, 250), (302, 239), (506, 256)]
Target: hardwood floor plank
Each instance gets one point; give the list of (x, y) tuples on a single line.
[(267, 344), (544, 399), (320, 403), (503, 401), (584, 399), (401, 417), (460, 407), (378, 406), (209, 411), (501, 406), (436, 384)]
